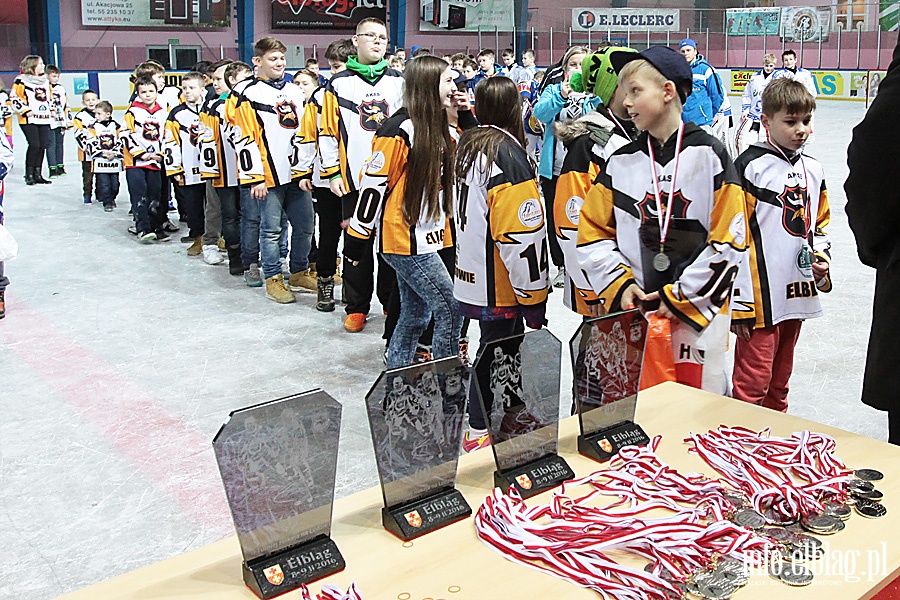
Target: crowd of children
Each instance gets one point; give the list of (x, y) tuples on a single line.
[(429, 172)]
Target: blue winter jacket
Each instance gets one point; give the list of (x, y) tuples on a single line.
[(707, 95), (547, 111)]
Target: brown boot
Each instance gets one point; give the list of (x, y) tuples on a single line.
[(338, 280), (196, 248), (276, 290), (304, 281)]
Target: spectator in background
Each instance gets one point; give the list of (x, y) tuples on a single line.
[(702, 106), (312, 64), (31, 98)]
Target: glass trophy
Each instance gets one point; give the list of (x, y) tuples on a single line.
[(278, 462), (416, 415), (607, 356), (518, 389)]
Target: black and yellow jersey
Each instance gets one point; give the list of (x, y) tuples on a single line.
[(6, 112), (32, 99), (501, 249), (619, 234), (265, 115), (103, 137), (143, 131), (182, 143), (310, 165), (585, 158), (83, 119), (380, 202), (787, 213), (353, 108), (218, 158)]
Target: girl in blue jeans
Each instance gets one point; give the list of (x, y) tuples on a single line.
[(406, 195)]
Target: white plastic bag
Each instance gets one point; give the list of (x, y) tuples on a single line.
[(8, 246)]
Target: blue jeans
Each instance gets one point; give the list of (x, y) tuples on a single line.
[(249, 228), (55, 148), (107, 187), (290, 200), (426, 291)]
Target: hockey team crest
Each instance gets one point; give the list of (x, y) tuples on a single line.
[(647, 206), (150, 131), (40, 94), (275, 575), (794, 202), (372, 114), (287, 114), (194, 134)]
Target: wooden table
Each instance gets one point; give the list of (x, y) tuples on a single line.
[(453, 564)]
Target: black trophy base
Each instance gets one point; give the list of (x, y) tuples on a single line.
[(535, 477), (413, 519), (606, 443), (274, 575)]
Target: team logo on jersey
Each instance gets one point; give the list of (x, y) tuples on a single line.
[(150, 131), (274, 575), (647, 206), (795, 219), (40, 94), (287, 114), (372, 114), (107, 141), (573, 209), (194, 132), (530, 212)]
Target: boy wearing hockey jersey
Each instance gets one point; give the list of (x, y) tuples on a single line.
[(6, 163), (266, 111), (142, 136), (748, 132), (664, 225), (83, 119), (60, 121), (105, 149), (779, 283), (590, 140), (354, 105)]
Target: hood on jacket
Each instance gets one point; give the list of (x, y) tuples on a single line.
[(594, 123)]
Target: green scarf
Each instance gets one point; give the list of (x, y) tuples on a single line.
[(370, 72)]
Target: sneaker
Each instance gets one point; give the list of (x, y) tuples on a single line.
[(54, 173), (132, 229), (162, 236), (211, 255), (304, 281), (196, 248), (252, 277), (560, 279), (87, 199), (145, 237), (170, 226), (475, 440), (423, 354), (108, 208), (464, 351), (325, 294), (277, 291), (222, 245), (2, 303), (354, 322)]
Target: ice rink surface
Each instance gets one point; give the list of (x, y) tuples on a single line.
[(119, 362)]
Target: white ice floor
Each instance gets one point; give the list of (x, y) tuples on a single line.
[(118, 363)]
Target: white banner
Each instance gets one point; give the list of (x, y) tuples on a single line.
[(623, 19), (805, 24)]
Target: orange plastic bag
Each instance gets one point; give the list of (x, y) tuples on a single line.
[(659, 364)]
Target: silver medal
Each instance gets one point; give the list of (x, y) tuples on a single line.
[(869, 474), (661, 262)]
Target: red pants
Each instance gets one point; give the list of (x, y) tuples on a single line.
[(763, 365)]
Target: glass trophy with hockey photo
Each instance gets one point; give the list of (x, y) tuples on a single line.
[(278, 462), (416, 416), (607, 357), (518, 389)]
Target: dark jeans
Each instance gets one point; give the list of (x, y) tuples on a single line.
[(143, 187), (38, 138), (87, 178), (548, 187), (490, 331), (192, 197), (55, 148), (107, 188), (249, 228), (230, 200), (359, 280), (328, 207)]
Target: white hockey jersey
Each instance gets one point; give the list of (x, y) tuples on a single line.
[(787, 209), (142, 133), (182, 143), (60, 103), (310, 164), (801, 75), (31, 99), (266, 119), (501, 249), (751, 99), (353, 108), (83, 119), (217, 153), (103, 138), (619, 234)]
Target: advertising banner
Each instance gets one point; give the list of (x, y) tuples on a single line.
[(466, 15), (889, 15), (740, 79), (325, 14), (625, 19), (156, 13), (805, 23), (752, 21)]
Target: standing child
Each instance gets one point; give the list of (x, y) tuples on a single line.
[(105, 143), (84, 118), (748, 132), (778, 286), (664, 225), (6, 163), (143, 137), (182, 151), (60, 121)]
